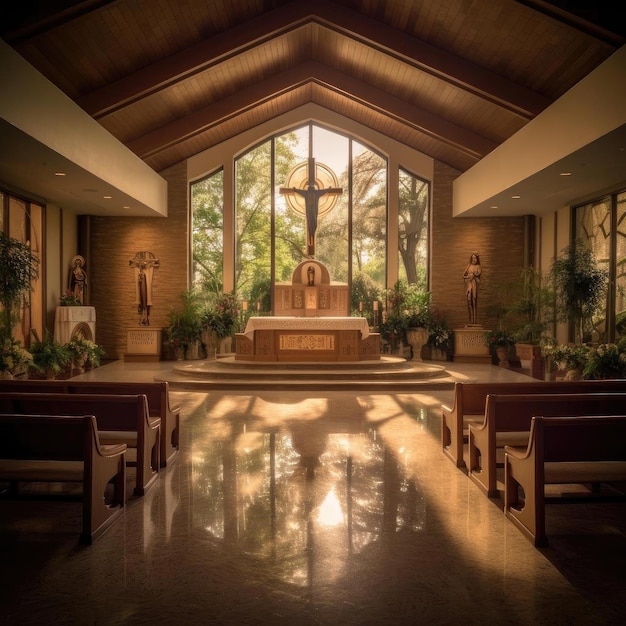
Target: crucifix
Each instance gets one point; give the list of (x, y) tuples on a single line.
[(311, 192), (144, 263)]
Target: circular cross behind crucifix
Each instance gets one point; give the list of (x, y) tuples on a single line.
[(311, 190)]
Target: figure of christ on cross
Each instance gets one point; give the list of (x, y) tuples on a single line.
[(311, 197)]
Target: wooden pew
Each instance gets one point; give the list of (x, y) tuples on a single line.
[(64, 449), (157, 393), (561, 450), (468, 405), (120, 418), (507, 423)]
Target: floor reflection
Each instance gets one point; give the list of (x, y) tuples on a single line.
[(307, 496)]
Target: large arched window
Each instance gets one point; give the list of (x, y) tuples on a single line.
[(601, 226), (351, 237)]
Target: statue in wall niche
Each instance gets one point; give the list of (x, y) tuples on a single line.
[(144, 263), (311, 275), (78, 279), (472, 278)]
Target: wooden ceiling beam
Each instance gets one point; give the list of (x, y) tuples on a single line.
[(252, 33), (434, 126)]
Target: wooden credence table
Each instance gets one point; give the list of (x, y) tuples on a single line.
[(306, 339)]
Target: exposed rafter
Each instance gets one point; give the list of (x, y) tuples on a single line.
[(273, 24)]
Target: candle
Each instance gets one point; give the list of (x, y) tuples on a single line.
[(360, 306), (258, 305), (245, 305), (375, 305)]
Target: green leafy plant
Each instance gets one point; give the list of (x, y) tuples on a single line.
[(13, 357), (19, 267), (568, 356), (580, 287), (607, 360), (89, 350), (532, 306), (499, 338), (49, 356), (440, 334), (185, 324), (221, 315)]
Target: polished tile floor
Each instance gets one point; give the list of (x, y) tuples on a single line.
[(311, 507)]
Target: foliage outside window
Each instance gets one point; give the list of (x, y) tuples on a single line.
[(601, 227), (207, 202), (270, 238), (414, 199)]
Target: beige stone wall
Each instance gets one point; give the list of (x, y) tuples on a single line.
[(114, 241), (498, 241)]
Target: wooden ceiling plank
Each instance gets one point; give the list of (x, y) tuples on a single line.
[(356, 27), (353, 89)]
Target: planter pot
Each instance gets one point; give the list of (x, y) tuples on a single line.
[(79, 364), (531, 358), (210, 341), (416, 338), (502, 352), (6, 375), (193, 352)]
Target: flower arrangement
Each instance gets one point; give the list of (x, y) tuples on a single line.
[(222, 316), (69, 299), (607, 360), (13, 357), (49, 357), (499, 339), (567, 357), (440, 334), (91, 352)]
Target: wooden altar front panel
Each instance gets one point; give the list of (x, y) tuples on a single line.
[(306, 346)]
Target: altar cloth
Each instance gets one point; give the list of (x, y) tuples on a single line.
[(306, 323)]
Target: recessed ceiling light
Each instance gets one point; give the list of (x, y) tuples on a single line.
[(107, 197), (565, 174), (516, 197), (59, 173)]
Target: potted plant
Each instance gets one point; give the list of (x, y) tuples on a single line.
[(440, 336), (606, 360), (84, 351), (580, 287), (220, 319), (185, 325), (407, 317), (50, 358), (14, 359), (69, 299), (500, 342), (570, 358)]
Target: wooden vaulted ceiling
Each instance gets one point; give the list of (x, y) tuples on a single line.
[(450, 78)]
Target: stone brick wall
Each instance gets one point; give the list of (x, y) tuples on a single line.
[(114, 241), (499, 241)]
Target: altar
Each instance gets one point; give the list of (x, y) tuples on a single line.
[(309, 339)]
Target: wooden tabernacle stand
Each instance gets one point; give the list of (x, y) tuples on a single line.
[(312, 323)]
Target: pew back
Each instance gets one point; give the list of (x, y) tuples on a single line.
[(468, 405), (560, 450), (156, 392), (63, 448), (120, 418), (508, 419)]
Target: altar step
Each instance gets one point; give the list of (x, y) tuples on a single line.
[(390, 373)]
